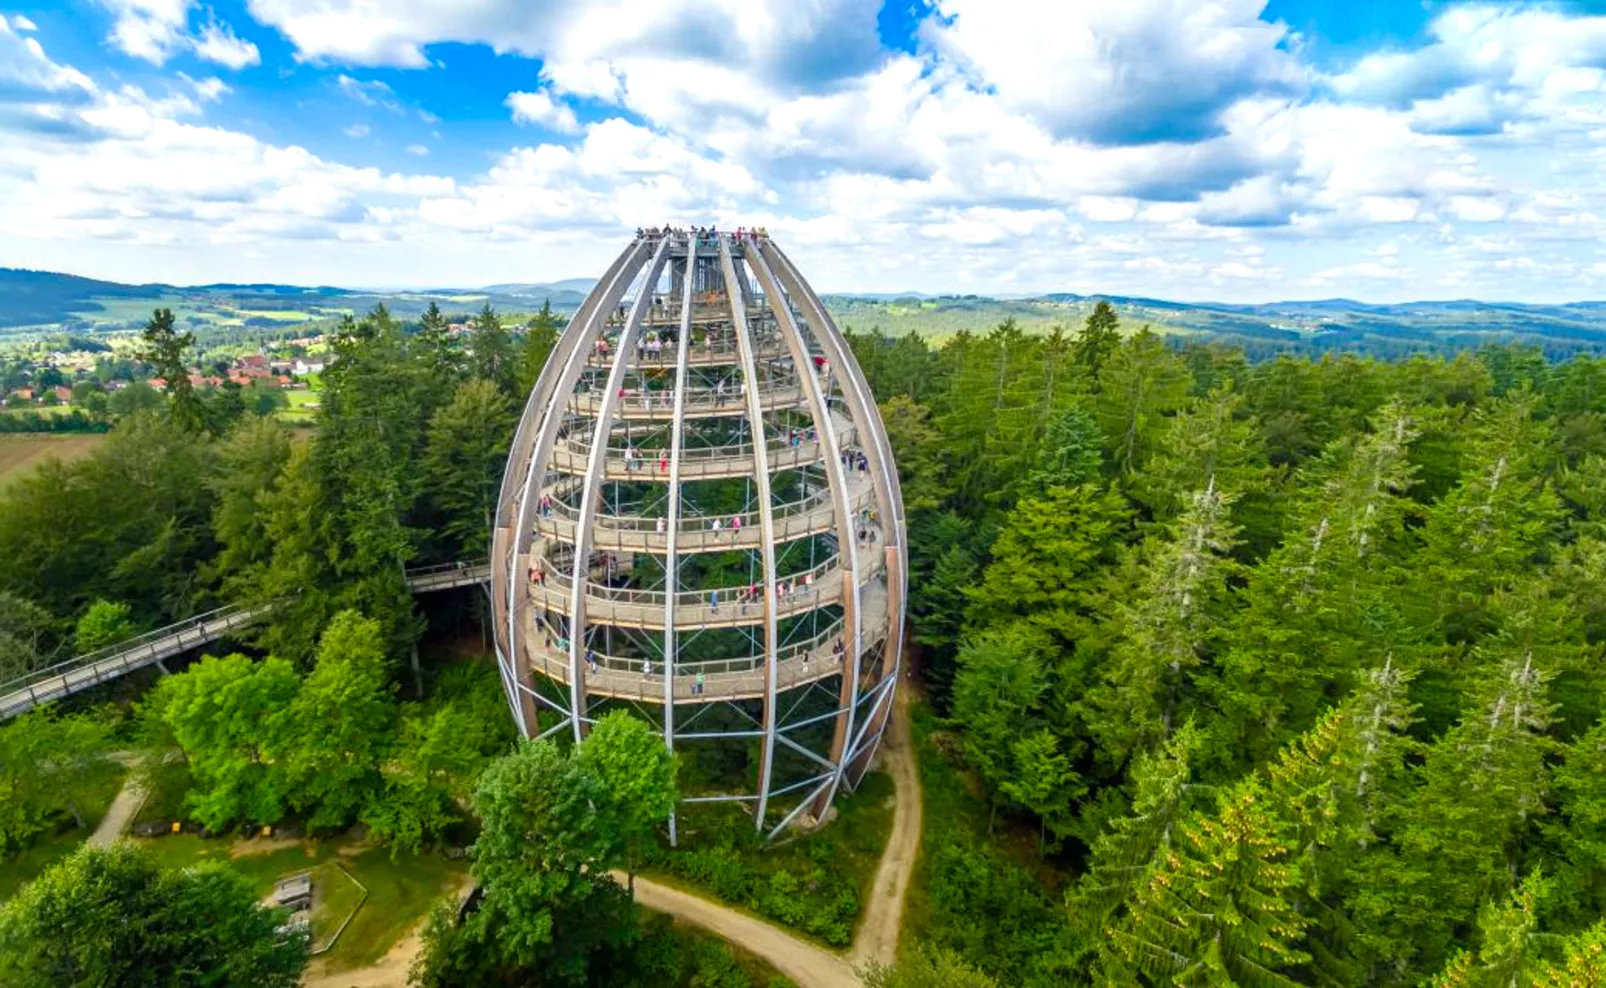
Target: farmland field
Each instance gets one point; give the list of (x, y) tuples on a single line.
[(21, 453)]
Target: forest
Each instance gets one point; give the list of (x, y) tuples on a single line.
[(1228, 672), (1289, 672)]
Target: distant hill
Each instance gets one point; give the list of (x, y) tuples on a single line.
[(34, 303), (31, 297), (568, 286), (1390, 329), (44, 301)]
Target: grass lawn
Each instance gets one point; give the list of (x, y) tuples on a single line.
[(21, 452), (48, 849), (336, 896), (400, 891), (303, 407)]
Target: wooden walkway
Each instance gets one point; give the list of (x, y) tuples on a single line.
[(86, 671)]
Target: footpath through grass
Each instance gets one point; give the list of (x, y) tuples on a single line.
[(400, 890), (23, 867), (814, 884)]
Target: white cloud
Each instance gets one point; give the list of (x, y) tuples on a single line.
[(1117, 73), (218, 43), (370, 93), (538, 108), (148, 29), (1153, 146), (207, 90), (24, 65), (418, 149), (22, 23)]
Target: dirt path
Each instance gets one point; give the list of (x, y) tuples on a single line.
[(877, 937), (120, 814), (389, 972), (808, 965)]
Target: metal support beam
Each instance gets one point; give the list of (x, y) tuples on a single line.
[(592, 491), (672, 525), (766, 516), (565, 367), (847, 545)]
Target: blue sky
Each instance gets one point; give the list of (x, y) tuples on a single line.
[(1238, 150)]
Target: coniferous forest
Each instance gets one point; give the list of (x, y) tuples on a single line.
[(1225, 672), (1265, 673)]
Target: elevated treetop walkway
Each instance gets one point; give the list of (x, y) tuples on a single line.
[(82, 672)]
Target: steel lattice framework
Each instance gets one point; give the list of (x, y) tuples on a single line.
[(701, 521)]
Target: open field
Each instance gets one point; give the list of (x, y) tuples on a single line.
[(303, 408), (21, 452)]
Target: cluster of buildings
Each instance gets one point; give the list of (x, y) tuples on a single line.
[(286, 374)]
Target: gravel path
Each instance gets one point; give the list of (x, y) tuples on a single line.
[(120, 815), (877, 938), (808, 965)]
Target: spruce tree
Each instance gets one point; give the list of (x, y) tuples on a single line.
[(1491, 526), (1170, 628), (1142, 385), (540, 339), (491, 349), (1218, 908), (1099, 337), (166, 349), (1324, 604), (1071, 453), (1123, 856), (1460, 837)]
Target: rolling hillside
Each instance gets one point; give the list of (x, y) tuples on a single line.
[(35, 303)]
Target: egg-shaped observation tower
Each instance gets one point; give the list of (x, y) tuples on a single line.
[(700, 521)]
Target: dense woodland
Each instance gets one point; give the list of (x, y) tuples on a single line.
[(1292, 669), (1256, 673)]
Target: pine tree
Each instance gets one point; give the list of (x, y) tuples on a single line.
[(1100, 336), (1123, 856), (166, 349), (1217, 908), (1141, 386), (1459, 838), (1170, 628)]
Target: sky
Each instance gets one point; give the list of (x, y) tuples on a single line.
[(1230, 150)]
